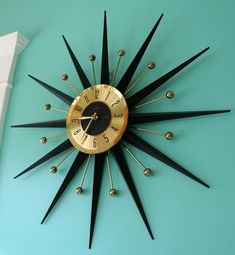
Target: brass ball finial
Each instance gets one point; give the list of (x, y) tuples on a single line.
[(112, 192), (92, 57), (121, 52), (43, 140), (47, 106), (79, 190), (151, 65), (53, 169), (169, 135), (147, 172), (170, 94), (64, 77)]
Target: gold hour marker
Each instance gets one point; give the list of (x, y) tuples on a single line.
[(151, 65), (169, 95), (121, 53), (65, 77), (80, 189), (50, 107), (92, 58), (147, 171)]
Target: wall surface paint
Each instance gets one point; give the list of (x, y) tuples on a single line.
[(185, 217)]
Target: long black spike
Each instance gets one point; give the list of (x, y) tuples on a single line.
[(137, 97), (51, 154), (160, 116), (118, 154), (45, 124), (80, 72), (98, 173), (138, 142), (71, 173), (125, 80), (105, 55), (61, 95)]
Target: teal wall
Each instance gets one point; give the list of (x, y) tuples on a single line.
[(185, 217)]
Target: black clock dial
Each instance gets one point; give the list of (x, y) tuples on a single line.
[(102, 121)]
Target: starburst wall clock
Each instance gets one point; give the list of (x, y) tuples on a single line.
[(101, 122)]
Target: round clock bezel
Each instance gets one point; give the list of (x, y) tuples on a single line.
[(121, 122)]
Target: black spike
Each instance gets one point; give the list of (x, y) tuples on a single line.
[(140, 95), (98, 173), (71, 173), (105, 55), (136, 118), (60, 148), (138, 142), (45, 124), (80, 72), (125, 80), (118, 155), (61, 95)]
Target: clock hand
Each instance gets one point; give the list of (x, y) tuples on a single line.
[(93, 117), (141, 94), (86, 117), (67, 99)]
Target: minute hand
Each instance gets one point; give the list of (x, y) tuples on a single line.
[(137, 97)]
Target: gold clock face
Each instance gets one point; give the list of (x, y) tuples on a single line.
[(97, 119)]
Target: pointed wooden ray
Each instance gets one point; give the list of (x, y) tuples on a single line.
[(160, 116), (71, 173), (45, 124), (98, 173), (118, 155), (84, 80), (125, 80), (105, 55), (67, 99), (60, 148), (138, 142), (140, 95)]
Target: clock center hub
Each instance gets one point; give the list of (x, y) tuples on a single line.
[(100, 122)]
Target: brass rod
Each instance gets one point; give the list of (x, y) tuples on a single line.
[(85, 171)]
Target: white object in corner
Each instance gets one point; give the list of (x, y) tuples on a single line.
[(11, 45)]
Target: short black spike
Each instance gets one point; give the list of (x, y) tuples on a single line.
[(71, 173), (140, 95), (138, 142), (121, 161), (98, 173), (125, 80), (61, 95), (60, 148), (80, 72), (105, 55), (136, 118), (45, 124)]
